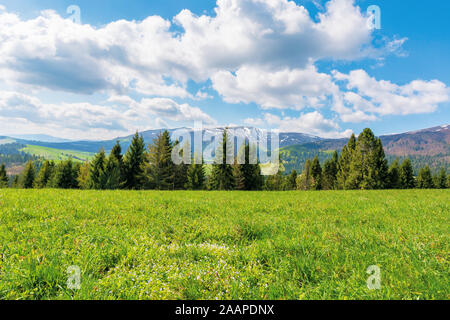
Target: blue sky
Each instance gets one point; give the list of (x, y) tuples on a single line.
[(312, 66)]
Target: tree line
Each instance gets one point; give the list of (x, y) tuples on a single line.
[(362, 164)]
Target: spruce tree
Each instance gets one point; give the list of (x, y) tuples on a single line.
[(28, 175), (292, 180), (344, 163), (407, 175), (316, 174), (112, 174), (65, 175), (44, 174), (441, 179), (116, 152), (394, 175), (196, 176), (3, 177), (304, 181), (97, 176), (247, 176), (16, 182), (222, 177), (83, 178), (133, 163), (330, 171), (158, 170), (180, 171), (425, 179)]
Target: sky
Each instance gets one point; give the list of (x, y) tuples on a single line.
[(108, 68)]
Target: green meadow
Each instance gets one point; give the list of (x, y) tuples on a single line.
[(57, 154), (224, 245)]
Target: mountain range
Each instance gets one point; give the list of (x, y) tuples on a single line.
[(428, 146)]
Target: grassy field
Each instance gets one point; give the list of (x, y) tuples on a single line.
[(224, 245), (57, 154)]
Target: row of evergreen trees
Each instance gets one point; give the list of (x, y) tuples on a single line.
[(361, 165)]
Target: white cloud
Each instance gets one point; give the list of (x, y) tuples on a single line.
[(89, 121), (312, 123), (371, 96), (285, 88)]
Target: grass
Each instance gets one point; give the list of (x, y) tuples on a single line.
[(224, 245), (57, 154)]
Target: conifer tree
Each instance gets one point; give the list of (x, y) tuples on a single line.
[(180, 171), (16, 182), (316, 174), (84, 176), (247, 175), (133, 163), (425, 179), (28, 175), (65, 175), (116, 152), (394, 179), (304, 181), (44, 174), (292, 180), (97, 176), (407, 175), (3, 177), (196, 176), (222, 177), (159, 168), (330, 170), (441, 179), (112, 174), (344, 163), (368, 166)]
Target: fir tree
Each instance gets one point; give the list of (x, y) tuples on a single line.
[(344, 163), (83, 178), (28, 175), (196, 176), (16, 182), (116, 153), (247, 175), (441, 179), (316, 174), (304, 181), (394, 179), (222, 177), (159, 168), (97, 176), (44, 174), (330, 171), (180, 171), (424, 179), (4, 181), (292, 180), (133, 163), (65, 175), (407, 175), (112, 174)]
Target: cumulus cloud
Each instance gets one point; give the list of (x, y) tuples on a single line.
[(86, 120), (369, 96), (313, 123), (252, 51), (285, 88)]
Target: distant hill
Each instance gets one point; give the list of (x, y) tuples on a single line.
[(424, 147), (428, 146)]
